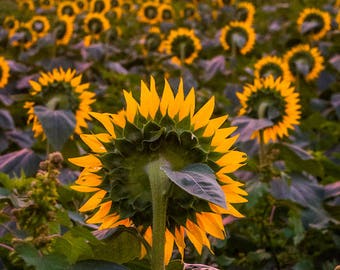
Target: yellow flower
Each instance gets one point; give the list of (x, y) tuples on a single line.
[(82, 5), (245, 12), (238, 34), (151, 42), (10, 23), (304, 60), (68, 8), (148, 12), (100, 6), (60, 90), (4, 72), (166, 13), (183, 44), (337, 19), (190, 12), (114, 14), (63, 29), (25, 36), (164, 126), (94, 25), (222, 3), (39, 25), (276, 100), (270, 65), (26, 5), (47, 4), (320, 19)]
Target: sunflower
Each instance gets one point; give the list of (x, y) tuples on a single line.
[(100, 6), (82, 5), (26, 5), (148, 12), (337, 19), (222, 3), (60, 90), (39, 25), (94, 25), (245, 12), (238, 34), (4, 72), (22, 36), (116, 3), (63, 30), (183, 45), (270, 65), (151, 42), (112, 35), (272, 99), (165, 129), (189, 12), (314, 23), (166, 13), (47, 4), (68, 8), (10, 23), (127, 6), (305, 61), (114, 14)]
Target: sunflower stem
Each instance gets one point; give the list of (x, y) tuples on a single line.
[(262, 115), (160, 185), (182, 54)]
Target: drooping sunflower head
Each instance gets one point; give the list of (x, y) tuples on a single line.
[(163, 128), (238, 35), (22, 36), (274, 100), (245, 12), (270, 65), (63, 30), (148, 12), (190, 12), (314, 23), (151, 42), (304, 61), (4, 72), (68, 8), (39, 25), (60, 90), (94, 25), (166, 13), (47, 4), (10, 23), (100, 6), (183, 45), (26, 5)]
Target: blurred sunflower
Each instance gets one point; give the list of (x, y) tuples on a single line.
[(22, 36), (337, 19), (245, 12), (183, 45), (222, 3), (68, 8), (272, 99), (127, 6), (166, 13), (63, 30), (47, 4), (238, 34), (82, 5), (168, 129), (39, 25), (189, 12), (116, 3), (112, 35), (305, 61), (4, 72), (148, 12), (26, 5), (314, 23), (270, 65), (60, 90), (100, 6), (151, 42), (114, 14), (94, 25), (10, 23)]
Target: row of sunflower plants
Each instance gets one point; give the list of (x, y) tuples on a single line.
[(167, 134)]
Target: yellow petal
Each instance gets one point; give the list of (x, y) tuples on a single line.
[(105, 120), (169, 246), (145, 100), (188, 107), (173, 108), (179, 239), (89, 179), (36, 86), (76, 81), (84, 188), (221, 134), (86, 161), (131, 106), (92, 141), (101, 213), (93, 202), (167, 98), (212, 224), (232, 157), (201, 118), (213, 125), (154, 105), (194, 235)]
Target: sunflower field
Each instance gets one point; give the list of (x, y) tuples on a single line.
[(169, 135)]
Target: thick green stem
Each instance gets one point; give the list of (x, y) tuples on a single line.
[(159, 184), (261, 115)]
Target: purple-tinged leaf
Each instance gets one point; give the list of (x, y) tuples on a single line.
[(6, 120), (116, 67), (82, 66), (3, 142), (332, 190), (335, 101), (24, 140), (298, 151), (17, 67), (335, 61), (24, 81), (213, 66)]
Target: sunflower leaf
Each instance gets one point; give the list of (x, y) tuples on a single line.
[(239, 40), (58, 125), (198, 180)]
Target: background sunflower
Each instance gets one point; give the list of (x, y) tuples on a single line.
[(4, 72)]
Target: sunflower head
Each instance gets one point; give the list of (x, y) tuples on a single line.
[(100, 6), (4, 72), (94, 25), (26, 5), (39, 25), (223, 3), (68, 8), (23, 36), (274, 100), (82, 5), (114, 14), (189, 12), (152, 41), (165, 129), (166, 13), (270, 65), (10, 23), (47, 4), (245, 12), (183, 45), (63, 30), (59, 90), (314, 23), (149, 12), (304, 61), (238, 35)]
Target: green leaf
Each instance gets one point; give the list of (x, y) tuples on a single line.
[(97, 265), (4, 193), (58, 125), (175, 265), (198, 180)]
